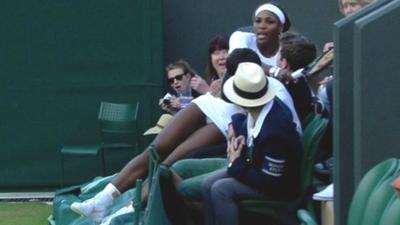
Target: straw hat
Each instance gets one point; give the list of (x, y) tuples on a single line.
[(161, 123), (249, 87)]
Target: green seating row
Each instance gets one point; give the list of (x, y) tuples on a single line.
[(284, 212), (312, 136), (117, 129), (375, 201), (154, 213)]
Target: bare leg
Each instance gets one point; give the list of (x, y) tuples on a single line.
[(186, 132), (184, 124), (207, 135)]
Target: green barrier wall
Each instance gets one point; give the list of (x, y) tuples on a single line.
[(58, 60), (345, 118), (189, 25), (376, 88)]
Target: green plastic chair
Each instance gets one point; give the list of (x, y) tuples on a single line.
[(375, 201), (63, 215), (373, 192), (308, 119), (312, 136), (118, 131), (153, 213), (118, 124), (391, 214)]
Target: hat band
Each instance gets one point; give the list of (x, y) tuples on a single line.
[(250, 95), (159, 126)]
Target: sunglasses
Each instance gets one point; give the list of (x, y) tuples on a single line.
[(178, 77)]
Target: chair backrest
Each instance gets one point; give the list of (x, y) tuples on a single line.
[(375, 195), (118, 124), (308, 119), (154, 213), (118, 117), (141, 214), (375, 201), (391, 214), (312, 136)]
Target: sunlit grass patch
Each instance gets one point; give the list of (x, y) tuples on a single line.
[(24, 213)]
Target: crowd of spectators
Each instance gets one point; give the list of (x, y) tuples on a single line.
[(246, 109)]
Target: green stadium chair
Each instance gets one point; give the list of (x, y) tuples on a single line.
[(189, 189), (118, 131), (312, 136), (118, 124), (153, 213), (373, 193), (308, 119), (391, 214), (375, 201)]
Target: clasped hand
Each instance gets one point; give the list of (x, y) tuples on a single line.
[(235, 146)]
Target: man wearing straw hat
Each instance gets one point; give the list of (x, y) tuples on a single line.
[(264, 150)]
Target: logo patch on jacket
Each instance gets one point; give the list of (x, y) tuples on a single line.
[(274, 167)]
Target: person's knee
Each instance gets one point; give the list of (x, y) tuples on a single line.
[(220, 190), (206, 187), (161, 147), (157, 144)]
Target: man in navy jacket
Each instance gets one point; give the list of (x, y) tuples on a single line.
[(264, 149), (275, 160)]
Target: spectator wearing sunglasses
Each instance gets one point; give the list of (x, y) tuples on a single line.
[(179, 75)]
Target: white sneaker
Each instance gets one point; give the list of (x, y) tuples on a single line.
[(94, 208), (324, 195)]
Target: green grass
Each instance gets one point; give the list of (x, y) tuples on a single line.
[(31, 213)]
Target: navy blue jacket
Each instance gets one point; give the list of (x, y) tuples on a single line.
[(274, 166)]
